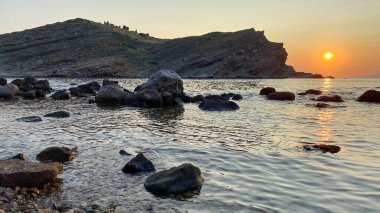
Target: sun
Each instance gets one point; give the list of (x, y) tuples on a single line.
[(328, 55)]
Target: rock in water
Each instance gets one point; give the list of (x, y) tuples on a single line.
[(30, 119), (164, 80), (3, 81), (57, 154), (267, 91), (177, 180), (281, 96), (311, 92), (59, 114), (151, 97), (197, 98), (9, 91), (109, 94), (61, 95), (18, 173), (20, 156), (322, 147), (218, 105), (43, 85), (371, 96), (334, 98), (139, 164)]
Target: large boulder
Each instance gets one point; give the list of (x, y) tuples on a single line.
[(218, 105), (61, 95), (162, 81), (371, 96), (43, 85), (281, 96), (177, 180), (267, 90), (9, 91), (139, 164), (18, 173), (109, 94), (57, 154), (334, 98), (3, 81)]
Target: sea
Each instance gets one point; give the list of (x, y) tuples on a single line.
[(252, 159)]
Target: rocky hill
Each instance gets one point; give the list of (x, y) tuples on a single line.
[(82, 48)]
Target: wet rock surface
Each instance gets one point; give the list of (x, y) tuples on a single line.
[(334, 98), (218, 105), (30, 119), (371, 96), (139, 164), (281, 96), (61, 95), (323, 148), (57, 154), (267, 90), (177, 180), (58, 114), (18, 173)]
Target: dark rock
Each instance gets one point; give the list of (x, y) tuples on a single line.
[(218, 105), (267, 91), (94, 84), (43, 85), (30, 80), (334, 98), (123, 152), (371, 96), (177, 180), (109, 82), (57, 154), (139, 164), (138, 104), (26, 87), (91, 101), (311, 92), (216, 98), (9, 91), (130, 99), (30, 119), (109, 94), (3, 82), (18, 173), (17, 82), (168, 98), (20, 156), (164, 80), (178, 101), (281, 96), (61, 95), (151, 97), (59, 114), (322, 147), (40, 94), (197, 98), (30, 95), (185, 98), (322, 105), (237, 97)]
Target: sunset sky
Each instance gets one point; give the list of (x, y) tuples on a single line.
[(349, 29)]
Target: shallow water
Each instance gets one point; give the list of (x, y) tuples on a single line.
[(251, 158)]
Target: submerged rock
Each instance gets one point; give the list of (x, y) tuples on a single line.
[(58, 114), (177, 180), (216, 98), (61, 95), (164, 80), (123, 152), (30, 119), (267, 90), (334, 98), (371, 96), (139, 164), (281, 96), (311, 92), (322, 147), (57, 154), (18, 173), (218, 105)]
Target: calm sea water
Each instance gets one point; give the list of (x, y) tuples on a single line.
[(251, 158)]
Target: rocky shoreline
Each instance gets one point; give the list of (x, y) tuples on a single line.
[(165, 90)]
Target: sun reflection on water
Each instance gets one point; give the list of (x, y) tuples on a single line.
[(324, 119), (327, 85)]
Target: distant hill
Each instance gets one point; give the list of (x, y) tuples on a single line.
[(82, 48)]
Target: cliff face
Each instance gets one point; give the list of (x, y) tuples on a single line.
[(81, 48)]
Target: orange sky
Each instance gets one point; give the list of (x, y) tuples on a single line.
[(348, 28)]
